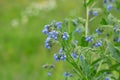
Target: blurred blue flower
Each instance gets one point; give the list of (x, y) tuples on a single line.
[(118, 40), (78, 30), (107, 78), (76, 42), (46, 29), (95, 13), (47, 43), (99, 31), (89, 38), (105, 1), (112, 0), (74, 55), (53, 34), (99, 43), (63, 57), (61, 51), (66, 74), (65, 36), (109, 7), (58, 25), (81, 57), (116, 28), (70, 75), (49, 73), (56, 57)]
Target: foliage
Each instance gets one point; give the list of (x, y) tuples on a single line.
[(93, 55)]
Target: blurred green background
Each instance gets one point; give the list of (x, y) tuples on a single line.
[(22, 51)]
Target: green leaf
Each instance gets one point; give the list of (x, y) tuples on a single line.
[(96, 61), (115, 53), (83, 42), (90, 1), (103, 21), (115, 66)]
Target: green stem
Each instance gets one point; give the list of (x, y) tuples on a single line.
[(87, 19)]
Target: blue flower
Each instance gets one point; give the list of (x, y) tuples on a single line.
[(112, 0), (66, 74), (89, 38), (47, 43), (53, 34), (48, 40), (105, 1), (99, 31), (116, 28), (61, 51), (46, 29), (56, 57), (65, 36), (70, 75), (118, 40), (109, 7), (49, 73), (99, 43), (95, 13), (78, 30), (58, 25), (76, 42), (81, 57), (74, 55), (107, 78), (63, 57)]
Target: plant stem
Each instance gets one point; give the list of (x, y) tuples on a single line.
[(87, 19)]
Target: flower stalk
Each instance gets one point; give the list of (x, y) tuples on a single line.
[(87, 18)]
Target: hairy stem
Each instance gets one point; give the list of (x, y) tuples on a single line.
[(87, 18)]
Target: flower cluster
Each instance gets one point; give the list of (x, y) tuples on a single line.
[(66, 74), (79, 46), (59, 57), (89, 38), (97, 44), (108, 4), (53, 33)]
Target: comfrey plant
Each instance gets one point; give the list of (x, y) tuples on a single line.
[(93, 54)]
